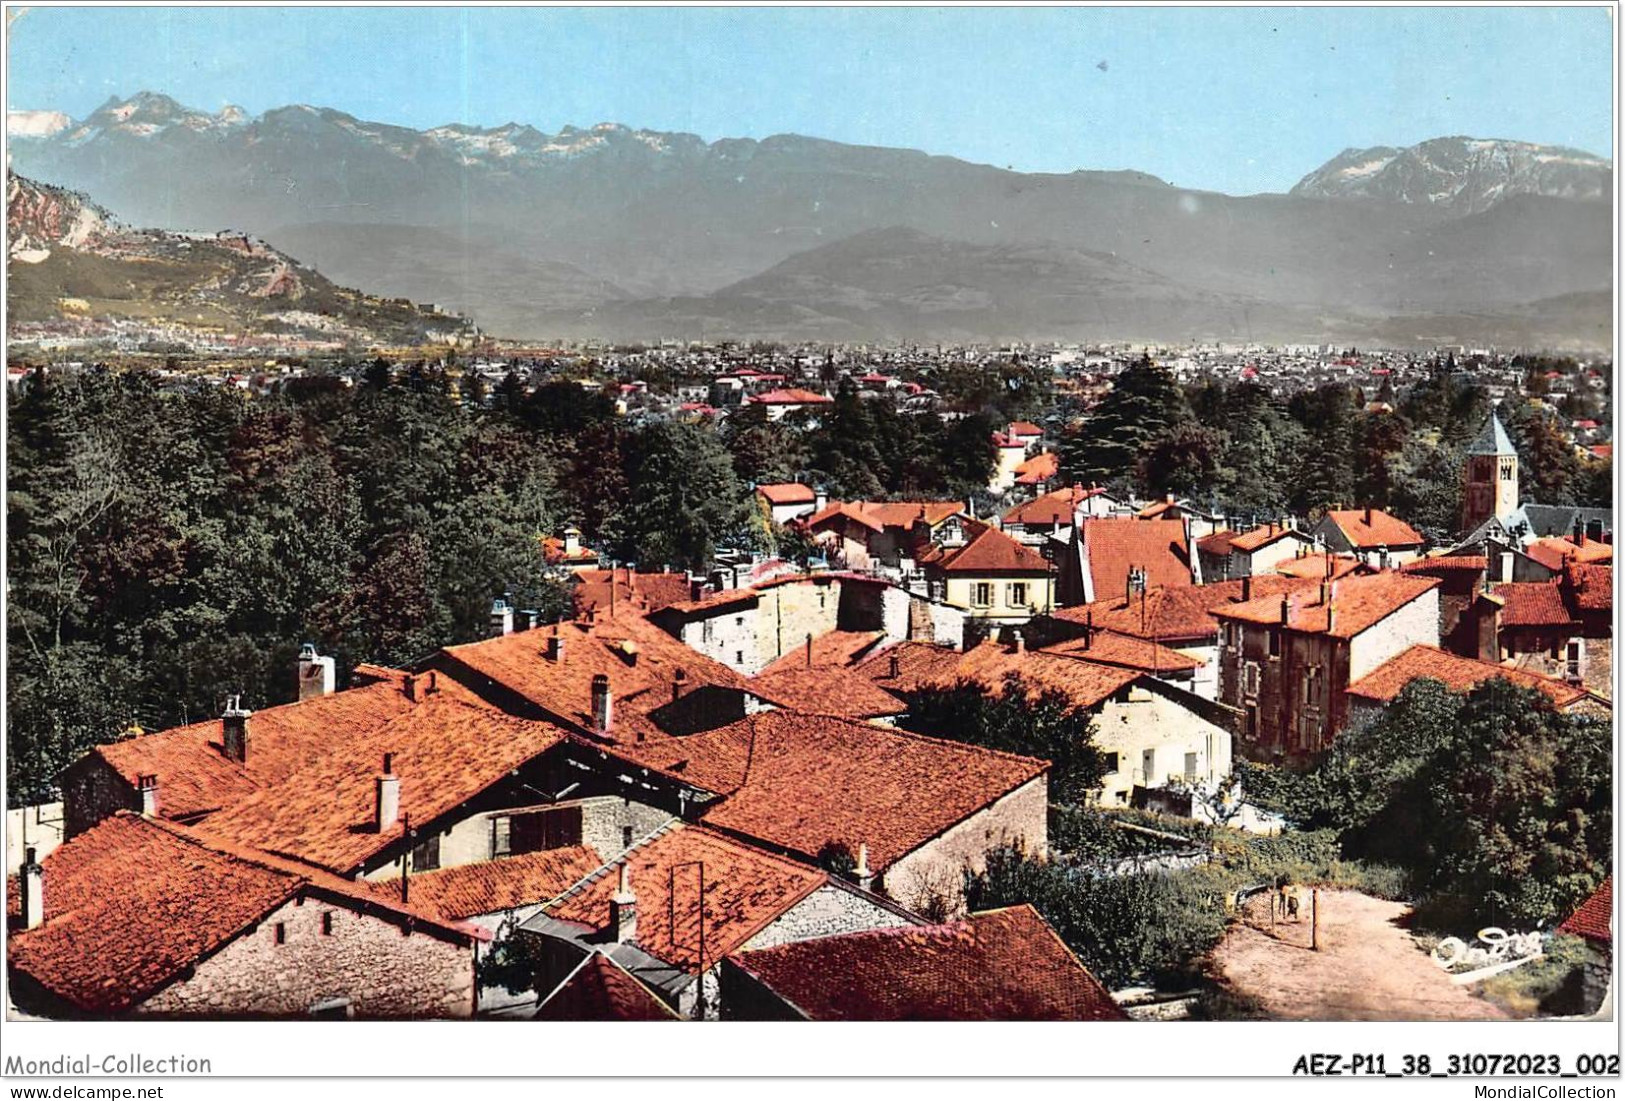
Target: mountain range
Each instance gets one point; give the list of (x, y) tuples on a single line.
[(70, 260), (619, 232)]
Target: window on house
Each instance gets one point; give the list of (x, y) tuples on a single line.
[(279, 933), (327, 923), (739, 657), (1148, 765), (1110, 764), (512, 834), (1016, 594), (1251, 725), (1275, 643), (982, 594), (1249, 678), (739, 621), (426, 854), (1311, 684), (1190, 768)]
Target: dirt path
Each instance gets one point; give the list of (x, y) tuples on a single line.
[(1368, 967)]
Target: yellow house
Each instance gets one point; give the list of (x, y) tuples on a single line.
[(992, 576)]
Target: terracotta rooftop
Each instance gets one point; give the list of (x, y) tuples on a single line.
[(787, 493), (988, 550), (195, 775), (640, 660), (1262, 536), (1182, 613), (801, 781), (1381, 530), (602, 990), (132, 903), (1532, 604), (1590, 588), (445, 752), (1084, 683), (493, 886), (791, 396), (642, 591), (1360, 603), (1313, 566), (1446, 565), (1002, 965), (830, 648), (1041, 468), (918, 663), (745, 890), (1110, 648), (1025, 428), (1114, 545), (878, 515), (556, 551), (1384, 683), (1050, 509), (827, 690), (1594, 918), (1553, 552)]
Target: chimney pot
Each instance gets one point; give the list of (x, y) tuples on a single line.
[(1021, 643), (501, 618), (1368, 516), (147, 788), (602, 704), (316, 673), (623, 909), (234, 730), (33, 890), (388, 790), (861, 871), (555, 646), (1246, 587), (679, 680), (893, 667)]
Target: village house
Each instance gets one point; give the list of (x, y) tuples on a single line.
[(1050, 515), (566, 552), (781, 403), (866, 535), (1593, 922), (1198, 523), (1038, 472), (1111, 556), (1231, 554), (998, 581), (681, 899), (604, 592), (998, 965), (1369, 534), (786, 501), (139, 916), (1286, 662), (1379, 688)]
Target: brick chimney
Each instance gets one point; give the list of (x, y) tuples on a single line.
[(234, 728), (1368, 516), (555, 645), (1286, 611), (892, 667), (33, 891), (315, 673), (388, 803), (501, 618), (623, 909), (603, 707), (679, 681), (1246, 587), (146, 786)]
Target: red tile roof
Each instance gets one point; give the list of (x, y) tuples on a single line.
[(1553, 552), (494, 886), (445, 752), (745, 891), (1383, 530), (195, 775), (918, 663), (1360, 603), (828, 690), (1313, 566), (830, 648), (602, 990), (1445, 565), (1084, 683), (1002, 965), (1217, 544), (1025, 428), (1262, 536), (801, 781), (1041, 468), (1456, 673), (791, 396), (878, 515), (1054, 508), (1532, 604), (1590, 588), (634, 590), (1155, 509), (640, 660), (132, 903), (987, 551), (787, 493), (1115, 544), (1594, 918), (1110, 648), (1183, 613), (553, 550)]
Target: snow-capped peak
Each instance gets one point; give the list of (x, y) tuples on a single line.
[(1466, 174)]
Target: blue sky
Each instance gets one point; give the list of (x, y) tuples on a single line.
[(1235, 100)]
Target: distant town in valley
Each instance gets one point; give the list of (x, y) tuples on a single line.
[(787, 580)]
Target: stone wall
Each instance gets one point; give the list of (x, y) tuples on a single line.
[(1148, 721), (91, 790), (828, 911), (934, 871), (383, 970)]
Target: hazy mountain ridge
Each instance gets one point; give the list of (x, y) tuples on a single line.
[(69, 260), (1466, 174), (524, 228)]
